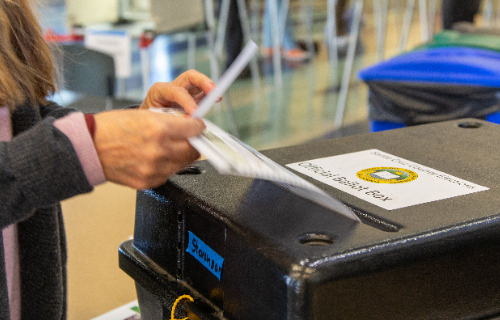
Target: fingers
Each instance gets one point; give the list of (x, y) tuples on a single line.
[(187, 91), (163, 94), (195, 82)]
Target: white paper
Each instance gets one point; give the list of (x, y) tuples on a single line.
[(385, 180), (229, 155), (227, 79)]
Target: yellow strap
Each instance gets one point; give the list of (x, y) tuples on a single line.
[(186, 296)]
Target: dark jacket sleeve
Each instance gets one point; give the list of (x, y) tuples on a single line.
[(38, 168)]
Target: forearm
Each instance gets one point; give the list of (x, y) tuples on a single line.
[(38, 168)]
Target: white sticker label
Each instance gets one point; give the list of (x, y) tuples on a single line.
[(385, 180)]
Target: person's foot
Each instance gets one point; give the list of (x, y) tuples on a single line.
[(295, 54)]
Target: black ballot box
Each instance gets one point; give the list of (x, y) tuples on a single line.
[(427, 246)]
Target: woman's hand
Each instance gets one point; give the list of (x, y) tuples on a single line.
[(142, 149), (184, 92)]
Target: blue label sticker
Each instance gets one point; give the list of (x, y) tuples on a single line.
[(205, 255)]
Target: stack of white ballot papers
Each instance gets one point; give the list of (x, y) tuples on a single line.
[(229, 155)]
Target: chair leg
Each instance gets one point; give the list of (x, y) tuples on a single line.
[(405, 29), (346, 75)]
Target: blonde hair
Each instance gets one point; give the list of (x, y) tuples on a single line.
[(27, 72)]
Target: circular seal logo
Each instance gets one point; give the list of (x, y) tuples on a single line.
[(387, 175)]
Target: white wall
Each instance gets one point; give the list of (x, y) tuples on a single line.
[(91, 11)]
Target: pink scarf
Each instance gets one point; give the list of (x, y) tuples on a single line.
[(10, 240)]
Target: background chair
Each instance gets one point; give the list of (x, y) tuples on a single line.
[(91, 74), (88, 72)]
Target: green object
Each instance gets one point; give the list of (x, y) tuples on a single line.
[(136, 309), (449, 38)]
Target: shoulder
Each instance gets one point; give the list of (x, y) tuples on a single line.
[(52, 109)]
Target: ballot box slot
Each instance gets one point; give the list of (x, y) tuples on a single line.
[(316, 240), (375, 222), (469, 125), (190, 170)]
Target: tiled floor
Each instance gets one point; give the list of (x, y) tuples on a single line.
[(303, 109)]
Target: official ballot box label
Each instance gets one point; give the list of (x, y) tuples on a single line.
[(385, 180)]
